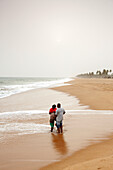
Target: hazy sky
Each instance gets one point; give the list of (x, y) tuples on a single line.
[(55, 37)]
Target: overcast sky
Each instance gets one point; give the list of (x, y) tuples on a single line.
[(55, 38)]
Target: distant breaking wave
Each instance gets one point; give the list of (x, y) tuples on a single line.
[(12, 86)]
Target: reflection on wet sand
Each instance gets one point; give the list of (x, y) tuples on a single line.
[(59, 143)]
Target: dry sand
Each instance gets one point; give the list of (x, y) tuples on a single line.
[(98, 94)]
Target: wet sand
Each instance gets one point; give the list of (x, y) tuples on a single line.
[(21, 150), (98, 94), (86, 144), (37, 99), (37, 150)]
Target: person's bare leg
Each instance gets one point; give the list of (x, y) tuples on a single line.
[(58, 130), (51, 129), (61, 129)]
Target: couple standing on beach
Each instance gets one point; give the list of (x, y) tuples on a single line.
[(56, 114)]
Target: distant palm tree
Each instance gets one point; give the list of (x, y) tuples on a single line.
[(110, 71), (107, 72), (104, 71), (99, 72)]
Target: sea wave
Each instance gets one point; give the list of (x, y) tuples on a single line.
[(8, 90)]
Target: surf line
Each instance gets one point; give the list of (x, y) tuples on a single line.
[(33, 160), (87, 111)]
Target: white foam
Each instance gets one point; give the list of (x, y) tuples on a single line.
[(9, 90), (23, 115), (23, 122), (24, 128), (11, 129), (36, 121), (34, 160), (45, 112), (26, 112), (90, 112)]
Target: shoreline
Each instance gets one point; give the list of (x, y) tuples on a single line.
[(29, 151), (95, 93), (77, 160), (97, 155)]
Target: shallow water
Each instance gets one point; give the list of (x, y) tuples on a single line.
[(37, 121), (27, 132)]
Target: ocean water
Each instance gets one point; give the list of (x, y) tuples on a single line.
[(30, 121), (25, 122), (10, 86)]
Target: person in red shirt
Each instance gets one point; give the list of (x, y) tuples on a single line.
[(52, 112)]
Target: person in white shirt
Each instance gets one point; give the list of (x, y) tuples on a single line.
[(59, 117)]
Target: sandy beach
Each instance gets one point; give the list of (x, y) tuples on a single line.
[(56, 52), (98, 95), (87, 141)]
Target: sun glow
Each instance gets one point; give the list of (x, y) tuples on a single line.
[(58, 40)]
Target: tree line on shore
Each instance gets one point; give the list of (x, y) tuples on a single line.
[(99, 74)]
